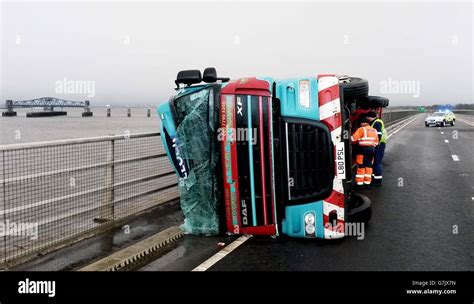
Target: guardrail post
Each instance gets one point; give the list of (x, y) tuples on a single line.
[(148, 112), (3, 260), (129, 112), (107, 204)]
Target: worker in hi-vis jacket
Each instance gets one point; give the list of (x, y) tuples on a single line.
[(377, 124), (366, 138)]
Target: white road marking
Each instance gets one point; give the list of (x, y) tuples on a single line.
[(466, 121), (455, 157), (442, 132), (222, 253), (395, 132), (446, 141)]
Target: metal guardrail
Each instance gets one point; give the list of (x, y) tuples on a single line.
[(390, 117), (54, 193), (465, 112)]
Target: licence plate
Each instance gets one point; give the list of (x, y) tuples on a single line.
[(340, 160)]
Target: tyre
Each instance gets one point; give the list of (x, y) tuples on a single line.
[(443, 124), (427, 125), (452, 123), (354, 88), (359, 210), (377, 101)]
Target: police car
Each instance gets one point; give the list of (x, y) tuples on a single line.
[(440, 119)]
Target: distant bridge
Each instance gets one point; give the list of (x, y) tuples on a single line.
[(48, 104)]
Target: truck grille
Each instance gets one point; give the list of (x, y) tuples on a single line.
[(254, 160), (310, 160)]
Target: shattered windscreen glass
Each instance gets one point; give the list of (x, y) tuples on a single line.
[(199, 191)]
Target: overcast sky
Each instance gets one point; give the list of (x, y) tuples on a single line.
[(128, 52)]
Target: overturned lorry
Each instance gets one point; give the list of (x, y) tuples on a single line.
[(266, 156)]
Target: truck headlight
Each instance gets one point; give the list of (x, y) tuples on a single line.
[(309, 229), (304, 94), (309, 219)]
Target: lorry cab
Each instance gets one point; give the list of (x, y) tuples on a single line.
[(284, 151)]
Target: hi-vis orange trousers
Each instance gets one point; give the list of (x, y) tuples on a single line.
[(364, 160)]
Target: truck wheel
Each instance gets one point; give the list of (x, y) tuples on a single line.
[(443, 124), (354, 88), (360, 210), (377, 101), (452, 123)]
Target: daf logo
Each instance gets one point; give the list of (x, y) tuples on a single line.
[(245, 219)]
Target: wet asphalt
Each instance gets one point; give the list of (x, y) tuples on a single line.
[(92, 249), (422, 217)]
